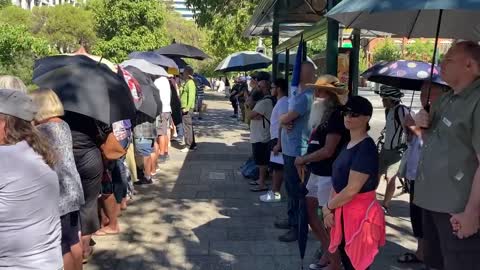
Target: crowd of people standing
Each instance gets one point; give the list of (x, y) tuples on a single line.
[(316, 142), (66, 177)]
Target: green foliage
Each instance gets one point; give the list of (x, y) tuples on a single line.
[(64, 26), (5, 3), (317, 45), (225, 21), (14, 15), (420, 50), (128, 25), (18, 49), (386, 51), (363, 61)]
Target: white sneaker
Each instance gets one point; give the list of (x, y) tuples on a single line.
[(271, 196)]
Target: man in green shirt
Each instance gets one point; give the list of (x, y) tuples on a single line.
[(448, 182), (187, 98)]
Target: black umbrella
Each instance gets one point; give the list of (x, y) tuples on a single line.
[(180, 62), (302, 222), (154, 58), (46, 64), (151, 105), (182, 50), (92, 90)]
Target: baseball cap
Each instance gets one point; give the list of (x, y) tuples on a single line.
[(360, 105), (390, 92), (17, 104)]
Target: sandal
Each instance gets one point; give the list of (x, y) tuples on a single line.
[(253, 183), (408, 258), (259, 189), (88, 257)]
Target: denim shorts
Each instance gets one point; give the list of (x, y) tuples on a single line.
[(144, 147)]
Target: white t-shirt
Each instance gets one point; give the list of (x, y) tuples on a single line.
[(165, 93), (30, 230), (260, 129), (395, 131), (280, 108)]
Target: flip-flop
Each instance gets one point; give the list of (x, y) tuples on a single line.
[(258, 189), (89, 256), (101, 232), (408, 258), (253, 183)]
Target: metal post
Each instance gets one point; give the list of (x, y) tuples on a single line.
[(287, 64), (354, 71), (332, 42), (275, 41), (305, 50)]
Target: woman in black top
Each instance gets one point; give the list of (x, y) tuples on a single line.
[(353, 212)]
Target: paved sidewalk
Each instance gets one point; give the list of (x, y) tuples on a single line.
[(200, 214)]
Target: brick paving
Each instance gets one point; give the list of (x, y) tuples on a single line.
[(199, 214)]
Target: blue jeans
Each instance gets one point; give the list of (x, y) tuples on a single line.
[(292, 186), (180, 131)]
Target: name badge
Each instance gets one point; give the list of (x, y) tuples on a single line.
[(446, 122)]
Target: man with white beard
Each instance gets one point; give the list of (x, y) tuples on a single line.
[(328, 137)]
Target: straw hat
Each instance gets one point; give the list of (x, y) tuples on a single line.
[(333, 85)]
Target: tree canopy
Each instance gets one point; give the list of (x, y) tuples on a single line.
[(124, 26), (386, 51), (64, 26)]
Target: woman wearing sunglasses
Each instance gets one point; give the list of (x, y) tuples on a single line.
[(355, 217)]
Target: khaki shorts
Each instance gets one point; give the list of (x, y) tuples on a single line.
[(389, 162)]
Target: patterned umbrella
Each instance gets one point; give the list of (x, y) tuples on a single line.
[(409, 75)]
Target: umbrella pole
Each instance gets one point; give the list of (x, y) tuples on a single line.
[(439, 23)]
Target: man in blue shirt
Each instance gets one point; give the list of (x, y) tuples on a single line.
[(294, 141)]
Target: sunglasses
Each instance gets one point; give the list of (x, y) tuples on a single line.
[(351, 114)]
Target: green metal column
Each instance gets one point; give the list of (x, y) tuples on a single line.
[(275, 41), (354, 72), (332, 42), (287, 64)]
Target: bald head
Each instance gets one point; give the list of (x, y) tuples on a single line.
[(461, 65), (308, 73)]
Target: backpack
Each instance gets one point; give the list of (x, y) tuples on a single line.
[(249, 170), (402, 146), (274, 101)]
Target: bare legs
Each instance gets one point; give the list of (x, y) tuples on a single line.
[(112, 210), (321, 233), (73, 259), (262, 177), (390, 190), (277, 179)]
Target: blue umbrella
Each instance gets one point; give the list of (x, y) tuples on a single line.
[(154, 58), (403, 74), (202, 79)]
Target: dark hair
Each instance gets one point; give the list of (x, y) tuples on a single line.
[(368, 127), (282, 84), (18, 130)]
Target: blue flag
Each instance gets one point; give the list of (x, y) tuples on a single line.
[(297, 69)]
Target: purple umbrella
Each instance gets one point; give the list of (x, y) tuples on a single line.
[(403, 74)]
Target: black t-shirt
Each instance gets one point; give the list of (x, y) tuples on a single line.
[(362, 158), (334, 125)]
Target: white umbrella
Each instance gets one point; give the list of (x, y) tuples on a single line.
[(145, 67), (244, 61)]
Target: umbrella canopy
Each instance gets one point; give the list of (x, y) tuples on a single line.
[(99, 59), (92, 90), (403, 74), (291, 60), (459, 18), (154, 58), (151, 104), (183, 51), (244, 61), (47, 64), (145, 67), (202, 79)]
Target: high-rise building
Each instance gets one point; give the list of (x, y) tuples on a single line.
[(29, 4), (180, 6)]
